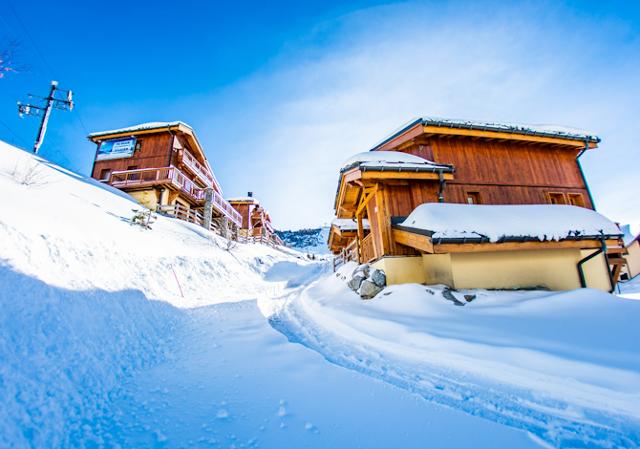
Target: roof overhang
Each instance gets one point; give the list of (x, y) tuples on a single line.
[(453, 128), (353, 180)]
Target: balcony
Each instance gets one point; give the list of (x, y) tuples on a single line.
[(197, 169), (172, 177)]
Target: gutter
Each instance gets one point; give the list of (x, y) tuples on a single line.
[(581, 262), (584, 179)]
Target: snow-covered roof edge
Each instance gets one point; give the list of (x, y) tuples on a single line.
[(514, 128), (393, 160), (140, 127), (243, 199), (348, 224), (498, 223)]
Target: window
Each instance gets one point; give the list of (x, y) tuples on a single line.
[(556, 198), (105, 174), (575, 199), (473, 198)]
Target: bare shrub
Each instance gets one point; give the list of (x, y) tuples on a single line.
[(29, 174)]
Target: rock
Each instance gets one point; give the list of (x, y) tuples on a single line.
[(469, 298), (364, 269), (356, 281), (379, 278), (446, 293), (368, 289)]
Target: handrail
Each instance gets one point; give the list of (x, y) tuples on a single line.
[(190, 161), (174, 176)]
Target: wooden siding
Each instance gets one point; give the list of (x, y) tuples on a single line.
[(505, 172), (155, 151)]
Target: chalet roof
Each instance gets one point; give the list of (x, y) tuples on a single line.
[(348, 224), (244, 199), (140, 127), (497, 223), (556, 131), (393, 161)]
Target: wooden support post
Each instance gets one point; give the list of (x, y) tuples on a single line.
[(164, 197), (208, 207)]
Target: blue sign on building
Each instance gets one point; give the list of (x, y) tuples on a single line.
[(115, 149)]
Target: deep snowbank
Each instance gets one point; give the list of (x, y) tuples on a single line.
[(86, 298), (564, 365)]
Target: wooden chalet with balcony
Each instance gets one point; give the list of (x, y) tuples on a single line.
[(472, 163), (256, 221), (163, 166)]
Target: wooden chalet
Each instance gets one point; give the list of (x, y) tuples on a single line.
[(164, 167), (472, 163), (256, 222)]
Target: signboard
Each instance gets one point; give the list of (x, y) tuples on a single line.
[(116, 149)]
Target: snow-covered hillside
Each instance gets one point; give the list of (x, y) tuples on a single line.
[(312, 241), (86, 297)]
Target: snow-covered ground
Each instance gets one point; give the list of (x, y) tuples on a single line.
[(565, 366), (116, 336), (630, 289)]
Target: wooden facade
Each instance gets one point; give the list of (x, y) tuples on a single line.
[(256, 221), (487, 166), (164, 167)]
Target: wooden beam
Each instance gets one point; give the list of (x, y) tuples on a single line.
[(443, 248), (505, 136), (413, 240), (368, 193), (403, 175)]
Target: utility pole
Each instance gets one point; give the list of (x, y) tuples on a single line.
[(65, 104)]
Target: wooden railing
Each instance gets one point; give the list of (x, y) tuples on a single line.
[(197, 168), (226, 209), (367, 251), (348, 254), (183, 213), (171, 175)]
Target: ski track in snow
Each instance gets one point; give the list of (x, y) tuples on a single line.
[(553, 422)]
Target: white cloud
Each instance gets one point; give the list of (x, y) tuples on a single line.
[(284, 132)]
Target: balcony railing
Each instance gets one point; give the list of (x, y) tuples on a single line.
[(171, 175), (367, 250), (198, 169)]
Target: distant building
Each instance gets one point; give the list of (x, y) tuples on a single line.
[(256, 221), (164, 167), (433, 161)]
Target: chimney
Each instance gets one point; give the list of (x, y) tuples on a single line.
[(250, 194)]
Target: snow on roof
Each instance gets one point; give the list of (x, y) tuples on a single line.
[(243, 199), (392, 160), (630, 233), (514, 128), (505, 222), (140, 127), (348, 224)]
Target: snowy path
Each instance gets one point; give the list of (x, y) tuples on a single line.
[(236, 382), (383, 340)]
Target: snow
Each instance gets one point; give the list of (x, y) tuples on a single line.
[(563, 366), (243, 199), (629, 233), (630, 289), (348, 224), (140, 127), (395, 160), (116, 336), (542, 222)]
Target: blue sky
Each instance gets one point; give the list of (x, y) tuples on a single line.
[(281, 93)]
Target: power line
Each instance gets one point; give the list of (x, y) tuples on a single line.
[(33, 42)]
